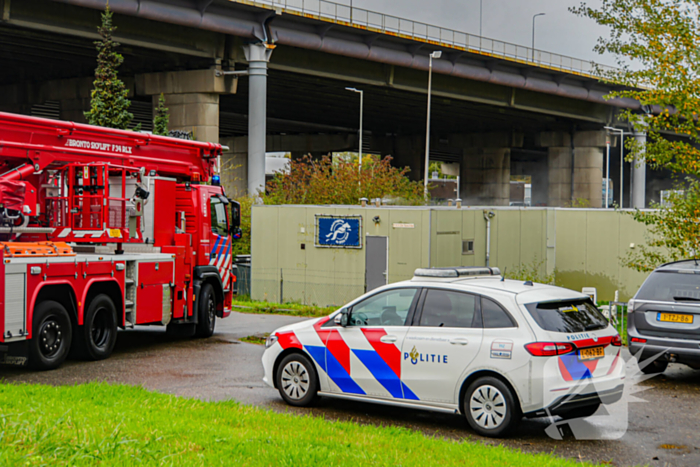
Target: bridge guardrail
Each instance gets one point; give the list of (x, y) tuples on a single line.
[(392, 25)]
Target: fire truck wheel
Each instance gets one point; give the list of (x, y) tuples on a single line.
[(51, 336), (207, 312), (96, 337)]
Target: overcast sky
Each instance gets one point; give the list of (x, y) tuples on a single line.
[(508, 20)]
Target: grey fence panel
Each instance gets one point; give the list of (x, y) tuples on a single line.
[(243, 279)]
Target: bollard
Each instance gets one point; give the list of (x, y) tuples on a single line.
[(378, 202), (459, 203), (449, 202), (363, 202)]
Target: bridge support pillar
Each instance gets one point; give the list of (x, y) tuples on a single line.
[(257, 55), (485, 176), (197, 113), (410, 152), (192, 99), (575, 171), (559, 167), (485, 166), (405, 151), (639, 173), (234, 166)]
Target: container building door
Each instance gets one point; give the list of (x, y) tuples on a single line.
[(376, 262)]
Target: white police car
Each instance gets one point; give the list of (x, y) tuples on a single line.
[(457, 340)]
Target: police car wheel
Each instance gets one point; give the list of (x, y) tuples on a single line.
[(490, 407), (297, 381)]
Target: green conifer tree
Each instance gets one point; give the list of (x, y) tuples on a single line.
[(161, 119), (109, 105)]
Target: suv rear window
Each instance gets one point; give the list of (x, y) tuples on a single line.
[(668, 286), (567, 316)]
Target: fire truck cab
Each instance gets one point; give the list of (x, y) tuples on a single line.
[(103, 229)]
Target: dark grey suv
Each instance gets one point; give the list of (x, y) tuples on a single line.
[(663, 318)]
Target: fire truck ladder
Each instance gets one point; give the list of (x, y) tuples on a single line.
[(130, 295)]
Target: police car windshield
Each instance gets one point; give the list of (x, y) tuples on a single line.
[(567, 316), (666, 286)]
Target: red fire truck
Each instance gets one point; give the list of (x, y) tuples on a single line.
[(103, 229)]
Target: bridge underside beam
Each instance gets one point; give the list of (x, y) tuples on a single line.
[(511, 100), (290, 30)]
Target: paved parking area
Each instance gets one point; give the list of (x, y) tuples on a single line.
[(664, 430)]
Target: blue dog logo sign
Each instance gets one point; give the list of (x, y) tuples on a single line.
[(338, 232)]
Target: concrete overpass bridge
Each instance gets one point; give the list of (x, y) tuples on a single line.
[(498, 109)]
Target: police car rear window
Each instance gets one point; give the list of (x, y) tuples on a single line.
[(567, 316)]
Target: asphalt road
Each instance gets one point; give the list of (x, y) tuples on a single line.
[(663, 428)]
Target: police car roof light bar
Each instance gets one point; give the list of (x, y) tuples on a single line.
[(457, 272)]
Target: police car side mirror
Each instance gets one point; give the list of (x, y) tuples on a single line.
[(341, 319)]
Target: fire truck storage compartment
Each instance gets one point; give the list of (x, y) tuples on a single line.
[(153, 291), (15, 326), (161, 201)]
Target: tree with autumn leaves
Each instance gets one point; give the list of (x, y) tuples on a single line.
[(657, 44), (328, 181)]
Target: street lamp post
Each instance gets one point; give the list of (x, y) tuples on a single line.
[(362, 104), (533, 34), (622, 161), (481, 9), (607, 173), (436, 54)]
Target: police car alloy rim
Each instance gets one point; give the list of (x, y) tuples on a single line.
[(488, 407), (295, 380)]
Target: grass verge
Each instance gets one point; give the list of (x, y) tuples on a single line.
[(256, 339), (106, 424), (244, 305)]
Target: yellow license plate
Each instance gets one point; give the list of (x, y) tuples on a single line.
[(591, 353), (675, 318)]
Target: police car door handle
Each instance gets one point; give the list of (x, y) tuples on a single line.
[(459, 340), (388, 339)]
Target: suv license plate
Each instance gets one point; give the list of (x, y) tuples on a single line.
[(674, 318), (591, 353)]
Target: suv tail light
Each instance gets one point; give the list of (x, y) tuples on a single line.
[(639, 340), (616, 341), (549, 349)]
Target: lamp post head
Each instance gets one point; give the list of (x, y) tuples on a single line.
[(354, 90), (538, 14), (436, 54)]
